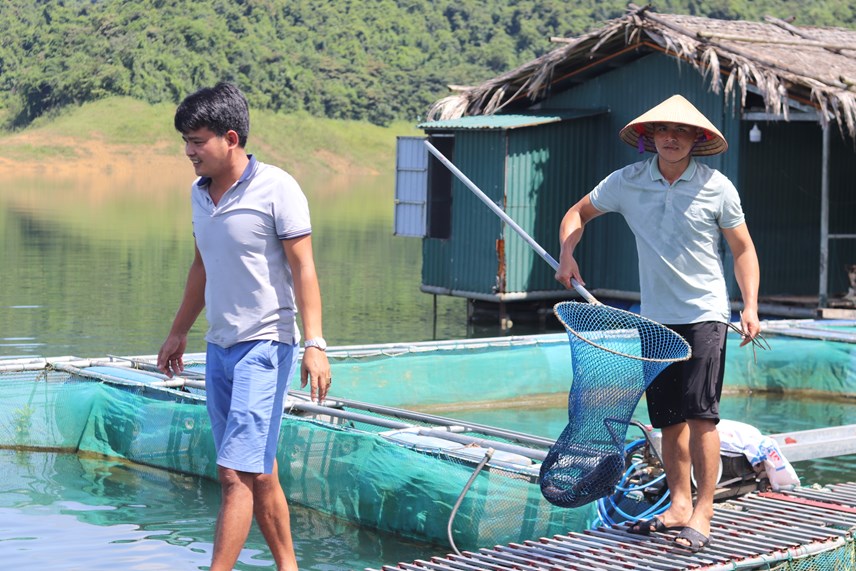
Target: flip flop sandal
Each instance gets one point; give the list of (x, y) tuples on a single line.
[(696, 541), (649, 526)]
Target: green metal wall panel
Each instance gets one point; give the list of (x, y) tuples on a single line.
[(549, 168), (475, 228), (468, 260), (842, 209), (436, 268), (782, 204), (781, 176)]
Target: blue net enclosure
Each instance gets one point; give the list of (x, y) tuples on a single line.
[(615, 355)]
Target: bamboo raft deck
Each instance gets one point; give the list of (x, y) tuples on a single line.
[(759, 530)]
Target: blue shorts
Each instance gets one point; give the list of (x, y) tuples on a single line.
[(245, 387)]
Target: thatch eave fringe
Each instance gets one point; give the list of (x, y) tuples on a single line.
[(808, 64), (710, 69), (608, 34)]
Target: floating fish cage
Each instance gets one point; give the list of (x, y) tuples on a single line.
[(427, 478)]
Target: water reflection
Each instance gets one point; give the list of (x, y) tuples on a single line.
[(73, 513), (96, 265), (87, 271)]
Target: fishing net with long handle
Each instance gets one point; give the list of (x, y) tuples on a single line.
[(615, 355)]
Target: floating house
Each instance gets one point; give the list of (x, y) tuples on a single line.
[(539, 137)]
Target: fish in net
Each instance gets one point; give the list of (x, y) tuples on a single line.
[(615, 355)]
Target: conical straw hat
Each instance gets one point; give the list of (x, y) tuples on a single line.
[(675, 109)]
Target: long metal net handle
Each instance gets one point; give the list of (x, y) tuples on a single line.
[(508, 220)]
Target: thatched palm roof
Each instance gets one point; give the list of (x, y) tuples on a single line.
[(809, 65)]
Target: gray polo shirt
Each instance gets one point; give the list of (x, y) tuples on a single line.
[(677, 229), (249, 289)]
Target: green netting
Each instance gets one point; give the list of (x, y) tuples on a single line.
[(396, 489), (794, 364), (532, 365), (343, 471), (404, 375), (842, 558), (615, 355), (41, 410)]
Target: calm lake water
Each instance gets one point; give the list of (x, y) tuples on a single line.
[(95, 265)]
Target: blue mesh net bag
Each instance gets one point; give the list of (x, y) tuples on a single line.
[(615, 356)]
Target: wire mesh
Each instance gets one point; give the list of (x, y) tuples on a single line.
[(615, 355)]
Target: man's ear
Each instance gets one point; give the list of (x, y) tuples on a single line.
[(232, 138)]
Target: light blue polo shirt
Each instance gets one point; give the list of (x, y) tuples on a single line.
[(249, 288), (677, 229)]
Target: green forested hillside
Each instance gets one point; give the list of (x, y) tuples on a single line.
[(375, 60)]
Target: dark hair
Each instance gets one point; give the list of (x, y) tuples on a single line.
[(220, 108)]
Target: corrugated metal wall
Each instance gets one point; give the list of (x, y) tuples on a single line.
[(468, 260), (842, 210), (475, 229), (781, 182), (549, 168), (781, 198), (535, 174)]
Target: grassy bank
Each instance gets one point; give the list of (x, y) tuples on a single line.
[(123, 129)]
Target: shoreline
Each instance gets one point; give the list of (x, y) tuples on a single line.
[(67, 157), (72, 159)]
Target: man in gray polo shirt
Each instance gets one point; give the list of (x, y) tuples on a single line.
[(678, 209), (253, 268)]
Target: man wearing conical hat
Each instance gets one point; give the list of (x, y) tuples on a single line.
[(678, 209)]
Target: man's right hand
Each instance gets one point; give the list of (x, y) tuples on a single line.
[(568, 270), (171, 355), (570, 234)]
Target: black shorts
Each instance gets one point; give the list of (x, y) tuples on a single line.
[(691, 389)]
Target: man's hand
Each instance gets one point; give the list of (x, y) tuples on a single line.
[(568, 270), (315, 370), (750, 325), (171, 355)]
